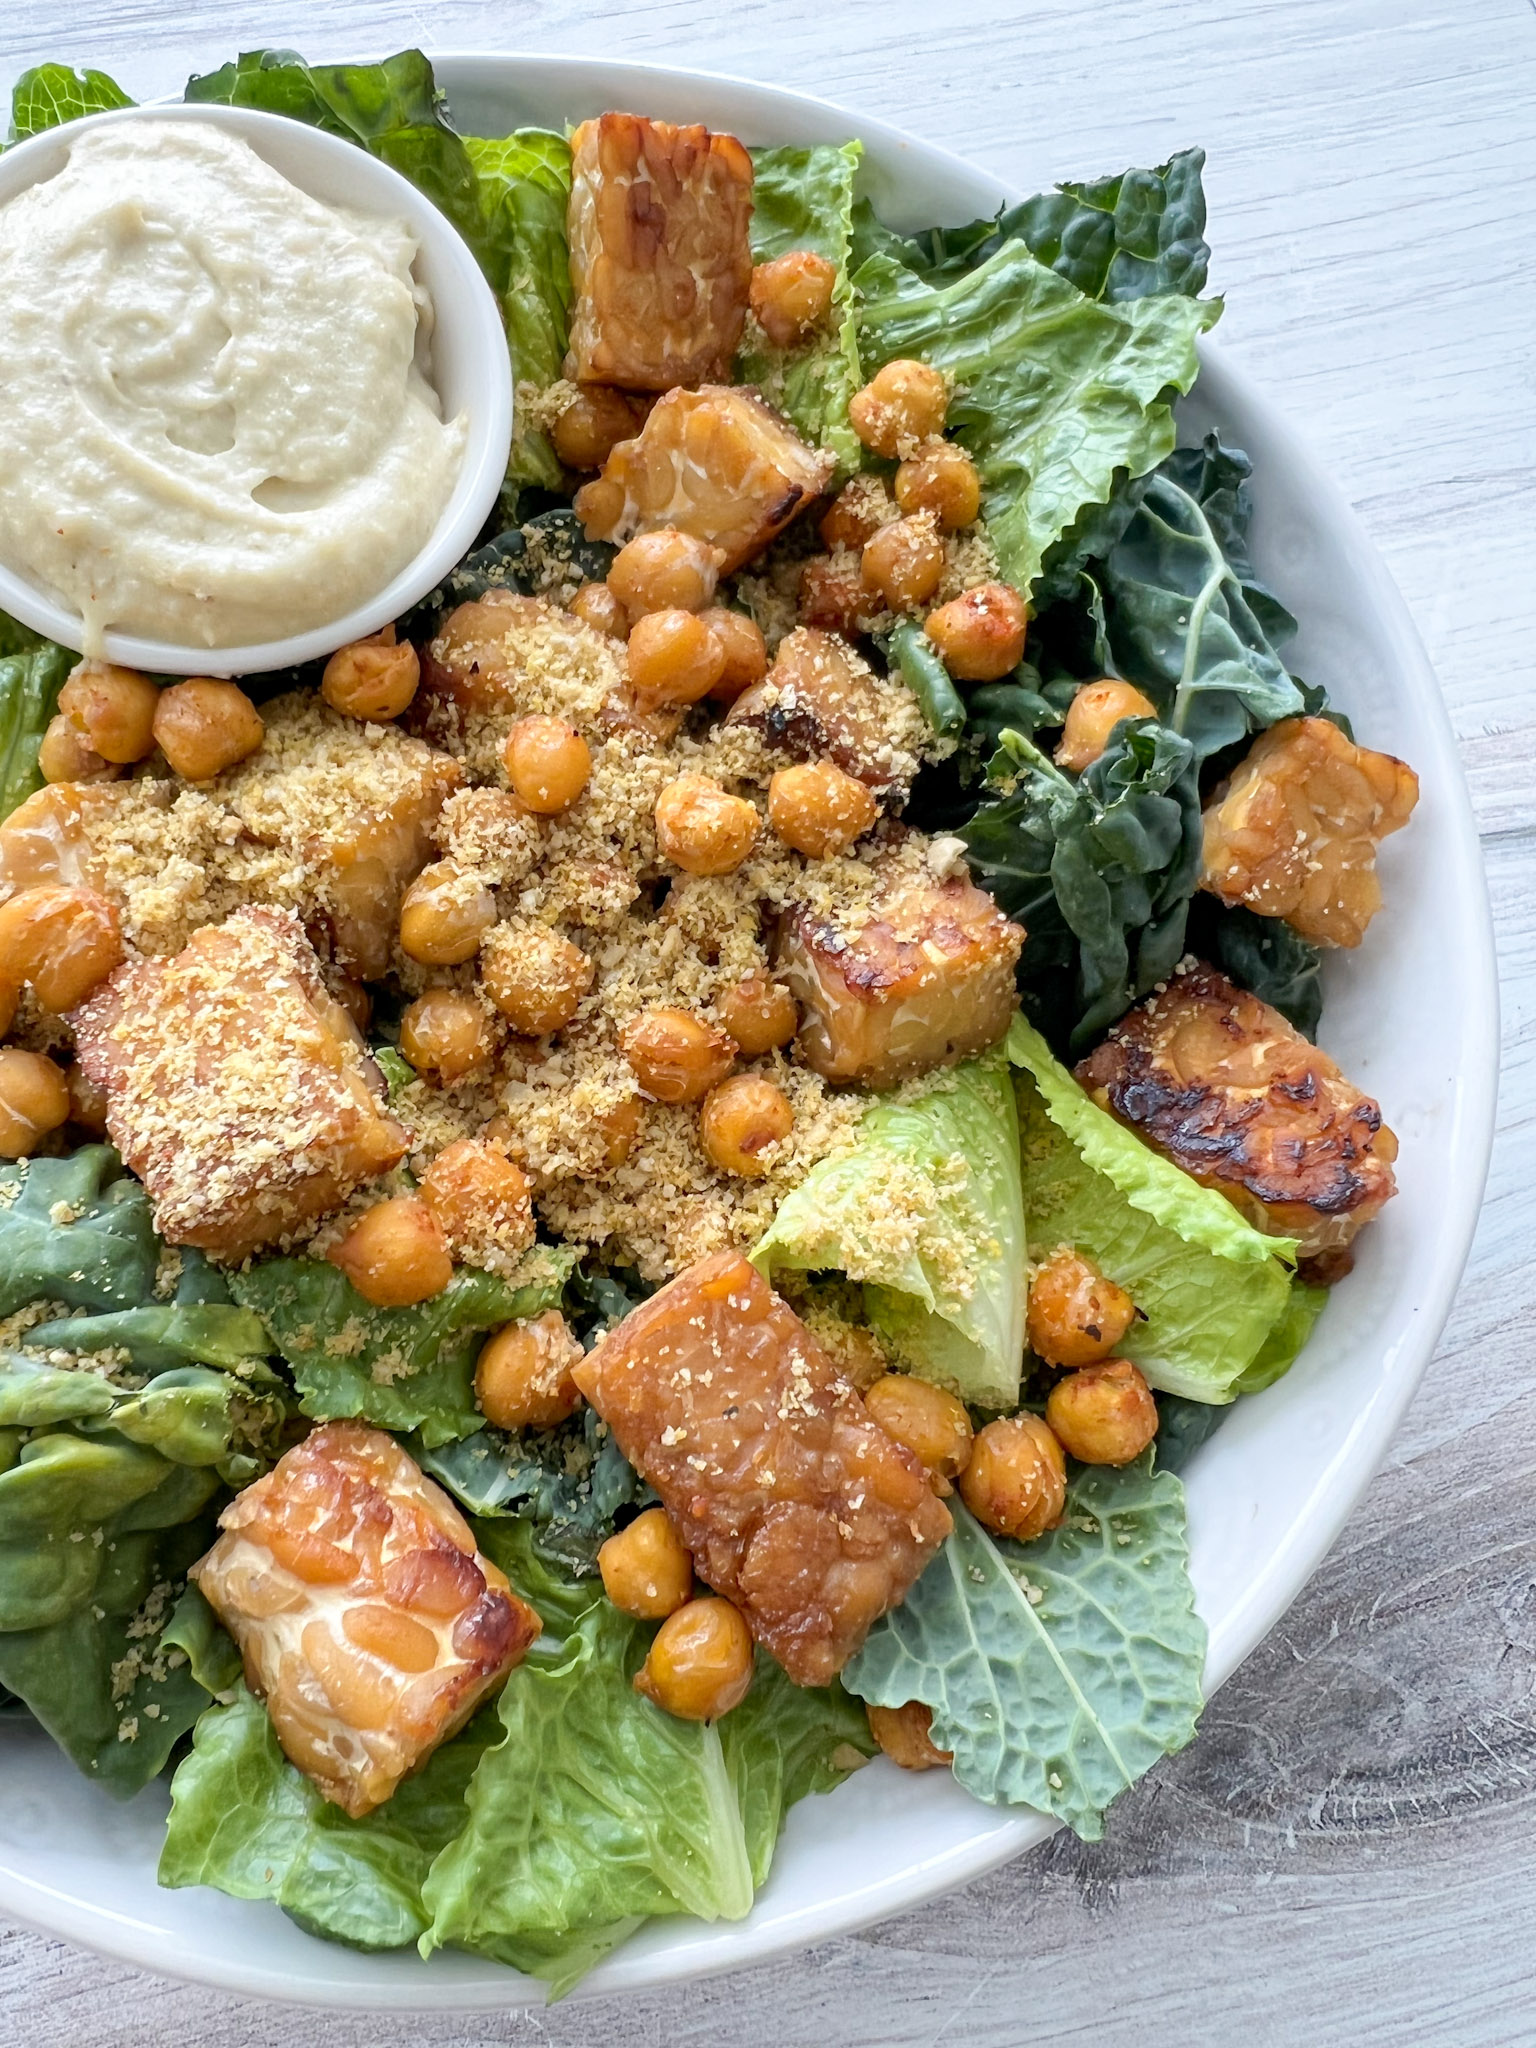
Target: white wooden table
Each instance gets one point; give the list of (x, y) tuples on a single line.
[(1345, 1855)]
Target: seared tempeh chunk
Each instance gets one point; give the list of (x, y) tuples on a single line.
[(794, 1503), (1219, 1082), (368, 1620), (822, 701), (660, 258), (237, 1088)]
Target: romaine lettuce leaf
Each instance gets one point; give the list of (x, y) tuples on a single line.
[(30, 681), (803, 199), (51, 94), (100, 1254), (1058, 1671), (784, 1742), (1210, 1287), (1282, 1347), (925, 1211)]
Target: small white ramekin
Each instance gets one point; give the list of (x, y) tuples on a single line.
[(470, 370)]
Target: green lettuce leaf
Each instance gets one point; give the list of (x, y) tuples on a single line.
[(1282, 1347), (949, 1290), (1210, 1288), (102, 1252), (158, 1337), (784, 1742), (51, 94), (803, 199), (30, 681), (1056, 392), (1058, 1671), (400, 1368)]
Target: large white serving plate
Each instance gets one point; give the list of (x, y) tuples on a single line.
[(1412, 1018)]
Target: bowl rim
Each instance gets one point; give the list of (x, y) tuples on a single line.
[(691, 1950), (461, 295)]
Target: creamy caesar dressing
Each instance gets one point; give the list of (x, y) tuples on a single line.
[(216, 422)]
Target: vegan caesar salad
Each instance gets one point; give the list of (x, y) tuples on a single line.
[(631, 1191)]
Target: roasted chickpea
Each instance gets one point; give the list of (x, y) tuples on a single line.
[(675, 1056), (395, 1254), (900, 407), (447, 1033), (665, 571), (759, 1014), (65, 755), (792, 294), (903, 563), (373, 679), (673, 659), (63, 941), (1103, 1414), (832, 596), (353, 997), (740, 1119), (444, 915), (702, 828), (534, 976), (1015, 1482), (113, 709), (929, 1420), (818, 810), (1093, 715), (34, 1100), (902, 1733), (980, 635), (523, 1374), (476, 1192), (87, 1103), (646, 1571), (548, 764), (597, 419), (855, 1352), (745, 650), (621, 1126), (940, 479), (596, 606), (203, 727), (857, 513), (1076, 1316), (10, 996), (700, 1662)]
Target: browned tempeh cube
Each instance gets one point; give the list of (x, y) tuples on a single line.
[(793, 1501), (821, 700), (1225, 1087), (368, 1620), (237, 1088), (660, 257), (717, 463)]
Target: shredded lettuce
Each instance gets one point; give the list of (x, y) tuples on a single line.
[(926, 1212)]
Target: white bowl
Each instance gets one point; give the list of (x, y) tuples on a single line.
[(469, 369), (1412, 1016)]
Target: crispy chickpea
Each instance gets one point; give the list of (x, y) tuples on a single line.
[(472, 1187), (548, 764), (673, 659), (373, 679), (745, 650), (665, 571), (87, 1103), (596, 606), (858, 511), (929, 1420), (1093, 715), (792, 294), (675, 1056), (740, 1119), (64, 941), (597, 419), (621, 1127), (113, 709), (10, 996), (1015, 1482), (702, 828), (1076, 1316), (34, 1100), (65, 755), (536, 978), (447, 1033), (903, 563), (523, 1374), (980, 635), (902, 1733), (646, 1571), (444, 915), (1103, 1414), (700, 1661), (818, 810), (395, 1254), (900, 407), (832, 595), (203, 727), (759, 1014), (940, 479)]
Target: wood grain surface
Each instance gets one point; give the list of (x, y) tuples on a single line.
[(1345, 1854)]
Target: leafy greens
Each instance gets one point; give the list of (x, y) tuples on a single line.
[(30, 681)]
